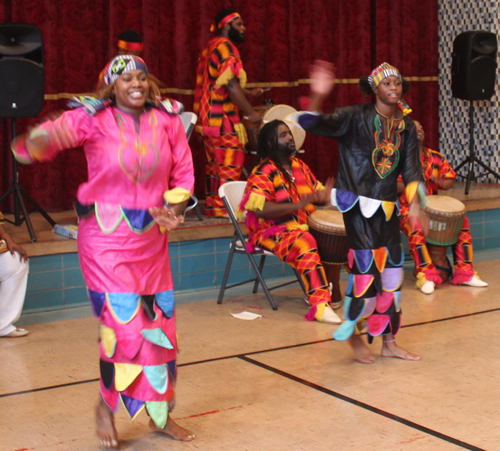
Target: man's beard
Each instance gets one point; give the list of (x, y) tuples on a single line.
[(288, 149), (235, 36)]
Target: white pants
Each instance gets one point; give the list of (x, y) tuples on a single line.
[(13, 280)]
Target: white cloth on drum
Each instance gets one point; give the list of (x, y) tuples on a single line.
[(13, 281)]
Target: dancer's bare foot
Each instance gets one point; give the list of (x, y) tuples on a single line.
[(391, 349), (174, 430), (361, 351), (105, 425)]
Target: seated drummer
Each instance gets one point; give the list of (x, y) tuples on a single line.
[(279, 197), (438, 174)]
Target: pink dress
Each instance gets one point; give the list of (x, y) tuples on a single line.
[(123, 253)]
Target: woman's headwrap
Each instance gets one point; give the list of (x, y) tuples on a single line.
[(383, 71), (224, 21), (123, 63), (379, 73)]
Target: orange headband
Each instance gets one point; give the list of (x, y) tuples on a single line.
[(134, 46), (225, 20)]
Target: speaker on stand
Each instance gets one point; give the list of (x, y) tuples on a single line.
[(473, 76), (22, 81)]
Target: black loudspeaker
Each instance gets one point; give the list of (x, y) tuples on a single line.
[(22, 78), (474, 65)]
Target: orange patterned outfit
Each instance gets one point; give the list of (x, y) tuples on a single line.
[(223, 135), (288, 237), (435, 165)]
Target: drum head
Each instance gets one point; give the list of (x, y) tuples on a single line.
[(329, 221), (281, 112), (445, 205)]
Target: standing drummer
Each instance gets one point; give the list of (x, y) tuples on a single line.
[(220, 92), (438, 174), (279, 197)]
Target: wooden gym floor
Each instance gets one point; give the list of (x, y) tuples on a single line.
[(278, 382)]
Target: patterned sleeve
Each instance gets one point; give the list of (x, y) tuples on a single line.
[(69, 130), (260, 188), (310, 177), (445, 170), (2, 219), (229, 65)]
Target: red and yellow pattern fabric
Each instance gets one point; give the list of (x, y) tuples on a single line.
[(434, 166), (219, 125), (2, 219), (225, 159), (219, 62), (288, 237), (267, 181)]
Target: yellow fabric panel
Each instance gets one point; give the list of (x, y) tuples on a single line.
[(255, 202), (388, 209), (125, 374), (224, 78), (176, 195), (108, 340), (320, 309), (411, 190), (243, 78), (242, 133)]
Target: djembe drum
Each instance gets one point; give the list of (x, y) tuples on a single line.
[(327, 227), (441, 220), (270, 113)]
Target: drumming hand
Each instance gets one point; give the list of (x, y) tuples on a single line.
[(166, 217), (443, 183), (254, 118), (306, 200), (322, 74), (323, 197), (255, 92)]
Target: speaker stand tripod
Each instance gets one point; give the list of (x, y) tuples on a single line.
[(18, 191), (473, 158)]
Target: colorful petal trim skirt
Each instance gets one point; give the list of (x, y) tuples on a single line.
[(373, 294), (127, 272)]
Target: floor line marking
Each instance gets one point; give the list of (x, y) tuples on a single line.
[(235, 356), (363, 405)]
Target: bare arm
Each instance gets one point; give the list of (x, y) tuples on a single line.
[(444, 183), (255, 92), (322, 76), (274, 210), (169, 217), (237, 96), (401, 187)]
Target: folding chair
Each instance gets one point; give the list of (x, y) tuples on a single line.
[(231, 194), (188, 120)]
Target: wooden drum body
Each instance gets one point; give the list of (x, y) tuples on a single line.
[(327, 227), (442, 218)]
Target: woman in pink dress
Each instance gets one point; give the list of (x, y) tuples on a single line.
[(140, 176)]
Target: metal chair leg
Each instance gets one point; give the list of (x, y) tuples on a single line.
[(226, 271), (261, 268)]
